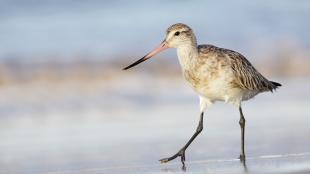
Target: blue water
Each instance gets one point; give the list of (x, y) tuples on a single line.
[(65, 28)]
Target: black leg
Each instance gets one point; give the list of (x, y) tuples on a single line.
[(242, 126), (181, 152)]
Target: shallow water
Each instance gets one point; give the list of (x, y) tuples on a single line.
[(126, 125)]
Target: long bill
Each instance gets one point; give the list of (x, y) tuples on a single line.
[(160, 48)]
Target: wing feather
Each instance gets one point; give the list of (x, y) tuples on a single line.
[(246, 76)]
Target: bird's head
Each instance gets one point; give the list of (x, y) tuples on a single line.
[(177, 35)]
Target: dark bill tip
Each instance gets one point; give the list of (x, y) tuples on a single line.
[(160, 48), (135, 63)]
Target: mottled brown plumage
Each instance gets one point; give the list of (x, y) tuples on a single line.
[(246, 76)]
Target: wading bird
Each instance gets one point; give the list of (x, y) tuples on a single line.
[(215, 74)]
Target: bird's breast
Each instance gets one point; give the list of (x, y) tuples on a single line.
[(192, 78)]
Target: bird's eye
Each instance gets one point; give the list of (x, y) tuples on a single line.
[(177, 33)]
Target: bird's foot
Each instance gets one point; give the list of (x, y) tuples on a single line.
[(181, 154), (242, 158), (243, 162)]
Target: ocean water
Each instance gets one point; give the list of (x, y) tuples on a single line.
[(105, 29)]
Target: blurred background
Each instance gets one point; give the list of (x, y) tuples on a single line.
[(66, 105)]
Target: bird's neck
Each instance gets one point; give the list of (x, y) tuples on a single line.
[(187, 55)]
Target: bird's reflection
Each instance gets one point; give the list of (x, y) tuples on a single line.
[(169, 170), (243, 164), (184, 167), (172, 170)]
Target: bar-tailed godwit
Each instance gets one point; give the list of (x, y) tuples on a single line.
[(215, 74)]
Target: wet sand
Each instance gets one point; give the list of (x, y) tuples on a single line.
[(289, 163), (128, 125)]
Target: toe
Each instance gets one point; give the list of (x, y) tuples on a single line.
[(164, 160)]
